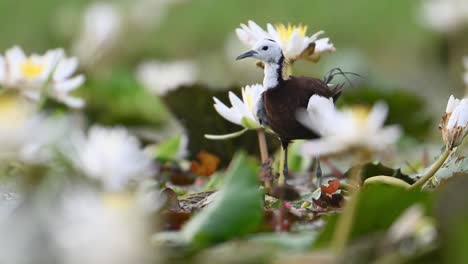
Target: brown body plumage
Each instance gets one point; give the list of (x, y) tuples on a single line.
[(278, 106)]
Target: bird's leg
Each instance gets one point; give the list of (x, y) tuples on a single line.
[(318, 172), (283, 163)]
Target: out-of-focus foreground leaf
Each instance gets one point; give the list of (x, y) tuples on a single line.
[(452, 217), (237, 208), (378, 207)]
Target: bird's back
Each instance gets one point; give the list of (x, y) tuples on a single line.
[(279, 105)]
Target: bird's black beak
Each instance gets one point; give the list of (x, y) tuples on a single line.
[(249, 53)]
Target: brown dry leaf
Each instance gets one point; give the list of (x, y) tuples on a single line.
[(207, 164)]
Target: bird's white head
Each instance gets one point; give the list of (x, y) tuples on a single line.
[(266, 50)]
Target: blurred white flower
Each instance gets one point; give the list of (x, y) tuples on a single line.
[(454, 124), (36, 75), (445, 15), (112, 156), (348, 129), (91, 227), (292, 39), (412, 223), (100, 30), (29, 74), (25, 135), (242, 112), (160, 78)]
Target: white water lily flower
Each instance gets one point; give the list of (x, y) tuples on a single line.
[(348, 129), (36, 75), (454, 124), (445, 15), (28, 74), (292, 39), (160, 78), (112, 156), (242, 112), (92, 227), (26, 135), (100, 31)]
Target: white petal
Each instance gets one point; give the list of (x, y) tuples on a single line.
[(15, 58), (315, 36), (257, 29), (51, 59), (15, 54), (273, 33), (324, 45), (377, 116), (227, 113), (70, 84), (296, 45), (238, 104), (321, 147), (452, 104), (70, 101), (65, 68), (243, 37)]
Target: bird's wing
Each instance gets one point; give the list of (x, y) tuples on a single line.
[(310, 86)]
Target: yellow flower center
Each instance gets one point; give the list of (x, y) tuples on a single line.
[(248, 98), (117, 200), (285, 32), (360, 114), (32, 69), (13, 113)]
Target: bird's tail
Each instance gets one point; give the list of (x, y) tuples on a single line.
[(337, 90)]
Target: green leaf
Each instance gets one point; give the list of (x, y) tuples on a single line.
[(236, 210), (168, 150), (378, 207), (121, 100), (378, 169)]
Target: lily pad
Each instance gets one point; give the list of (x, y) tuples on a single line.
[(453, 166), (377, 169)]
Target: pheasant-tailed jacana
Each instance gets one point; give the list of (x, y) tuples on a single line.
[(285, 95)]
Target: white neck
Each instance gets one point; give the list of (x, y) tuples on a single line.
[(271, 75)]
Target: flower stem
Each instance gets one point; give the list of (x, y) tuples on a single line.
[(346, 220), (434, 168), (262, 145)]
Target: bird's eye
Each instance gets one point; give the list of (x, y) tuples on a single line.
[(265, 48)]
